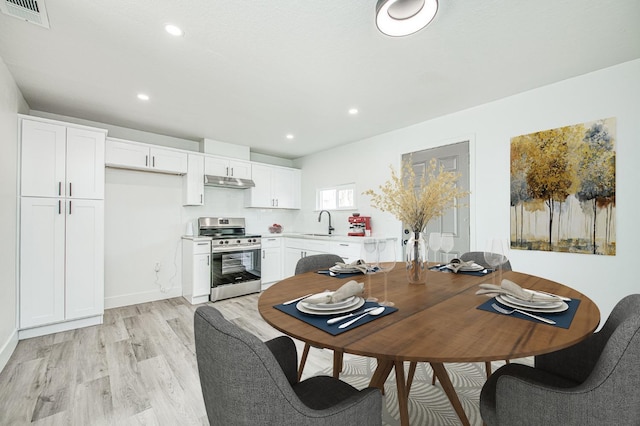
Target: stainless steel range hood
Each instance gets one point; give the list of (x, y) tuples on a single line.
[(228, 182)]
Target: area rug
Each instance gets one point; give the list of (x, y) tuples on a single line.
[(428, 404)]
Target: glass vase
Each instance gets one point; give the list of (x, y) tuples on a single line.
[(416, 259)]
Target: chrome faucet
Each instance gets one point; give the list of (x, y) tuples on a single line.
[(331, 228)]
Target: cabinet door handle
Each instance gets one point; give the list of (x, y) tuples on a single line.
[(146, 160), (153, 161), (69, 207), (263, 254), (70, 189), (59, 206), (208, 260), (203, 244), (277, 203), (201, 202), (59, 188), (232, 172)]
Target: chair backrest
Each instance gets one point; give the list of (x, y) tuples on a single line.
[(316, 262), (241, 380), (478, 257)]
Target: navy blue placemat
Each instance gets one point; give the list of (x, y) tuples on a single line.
[(562, 319), (474, 273), (320, 321), (341, 274)]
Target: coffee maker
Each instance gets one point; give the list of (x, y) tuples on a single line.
[(359, 226)]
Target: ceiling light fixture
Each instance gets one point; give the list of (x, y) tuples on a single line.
[(398, 18), (289, 136), (353, 111), (173, 30), (143, 97)]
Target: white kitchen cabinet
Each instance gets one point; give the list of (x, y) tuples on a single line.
[(61, 161), (348, 251), (61, 260), (276, 187), (297, 248), (196, 270), (125, 154), (271, 262), (193, 181), (229, 167)]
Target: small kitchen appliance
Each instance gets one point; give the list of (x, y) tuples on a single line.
[(235, 257), (359, 226)]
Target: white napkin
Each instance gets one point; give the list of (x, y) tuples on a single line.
[(359, 265), (457, 264), (514, 290), (351, 288)]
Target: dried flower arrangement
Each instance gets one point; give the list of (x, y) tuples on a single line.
[(415, 205)]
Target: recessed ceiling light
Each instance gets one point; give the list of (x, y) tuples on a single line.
[(143, 97), (289, 136), (353, 111), (173, 30)]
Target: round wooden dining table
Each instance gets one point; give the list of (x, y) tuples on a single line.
[(436, 322)]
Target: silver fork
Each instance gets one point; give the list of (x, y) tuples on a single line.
[(509, 312)]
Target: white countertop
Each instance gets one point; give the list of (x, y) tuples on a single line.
[(332, 237)]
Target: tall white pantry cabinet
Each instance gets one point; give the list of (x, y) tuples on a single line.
[(61, 226)]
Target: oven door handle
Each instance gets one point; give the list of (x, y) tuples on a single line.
[(227, 249)]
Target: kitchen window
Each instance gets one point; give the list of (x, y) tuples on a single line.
[(341, 197)]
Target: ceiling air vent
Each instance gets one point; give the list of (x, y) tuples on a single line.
[(32, 11)]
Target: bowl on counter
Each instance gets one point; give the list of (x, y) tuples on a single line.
[(275, 229)]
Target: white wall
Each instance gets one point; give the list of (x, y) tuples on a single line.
[(11, 103), (144, 222), (612, 92)]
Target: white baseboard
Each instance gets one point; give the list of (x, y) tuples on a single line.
[(7, 349), (142, 297), (59, 327)]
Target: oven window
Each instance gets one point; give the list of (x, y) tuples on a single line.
[(235, 267)]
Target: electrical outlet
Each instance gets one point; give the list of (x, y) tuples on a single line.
[(156, 266)]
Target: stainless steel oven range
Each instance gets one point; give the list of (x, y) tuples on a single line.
[(235, 257)]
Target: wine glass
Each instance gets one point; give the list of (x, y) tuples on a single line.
[(434, 244), (369, 253), (446, 244), (495, 255), (386, 262)]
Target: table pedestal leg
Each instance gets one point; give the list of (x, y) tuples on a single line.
[(380, 376), (447, 386)]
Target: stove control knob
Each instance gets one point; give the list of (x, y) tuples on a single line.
[(238, 241)]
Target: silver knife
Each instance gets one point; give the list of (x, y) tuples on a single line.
[(288, 302), (338, 319)]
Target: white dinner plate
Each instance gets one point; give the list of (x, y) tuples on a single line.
[(471, 268), (328, 306), (339, 270), (357, 303), (560, 307)]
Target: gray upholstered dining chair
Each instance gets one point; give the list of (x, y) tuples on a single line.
[(595, 382), (478, 257), (312, 263), (246, 381)]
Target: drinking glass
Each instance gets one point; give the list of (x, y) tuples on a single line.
[(495, 255), (369, 253), (434, 244), (446, 244), (386, 262)]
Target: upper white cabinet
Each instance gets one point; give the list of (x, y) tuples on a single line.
[(139, 156), (220, 166), (276, 187), (193, 181), (61, 161)]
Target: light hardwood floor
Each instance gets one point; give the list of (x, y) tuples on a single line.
[(138, 368)]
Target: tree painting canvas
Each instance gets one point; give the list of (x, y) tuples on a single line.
[(563, 189)]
